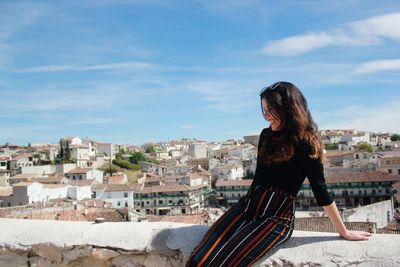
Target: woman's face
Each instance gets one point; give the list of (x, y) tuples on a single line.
[(271, 116)]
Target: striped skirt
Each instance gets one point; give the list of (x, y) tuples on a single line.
[(260, 221)]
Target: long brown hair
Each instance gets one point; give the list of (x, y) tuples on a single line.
[(286, 101)]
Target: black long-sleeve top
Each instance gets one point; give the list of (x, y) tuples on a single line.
[(289, 175)]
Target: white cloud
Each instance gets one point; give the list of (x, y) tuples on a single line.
[(298, 44), (372, 118), (129, 65), (371, 31), (378, 65)]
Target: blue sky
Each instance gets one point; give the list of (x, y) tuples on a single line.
[(142, 71)]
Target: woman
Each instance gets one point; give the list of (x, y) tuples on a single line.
[(288, 151)]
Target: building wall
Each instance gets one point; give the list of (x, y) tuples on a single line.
[(197, 151), (116, 198), (79, 192), (39, 170)]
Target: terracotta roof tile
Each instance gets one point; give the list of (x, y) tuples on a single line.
[(117, 188), (246, 182), (79, 170), (6, 191)]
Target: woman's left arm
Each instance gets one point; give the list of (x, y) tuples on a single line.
[(333, 214)]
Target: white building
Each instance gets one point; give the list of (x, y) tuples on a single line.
[(107, 148), (195, 179), (85, 173), (354, 139), (4, 177), (118, 195), (25, 193), (228, 171), (17, 162), (3, 162), (197, 151), (243, 152)]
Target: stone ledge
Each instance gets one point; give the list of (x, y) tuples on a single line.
[(66, 243)]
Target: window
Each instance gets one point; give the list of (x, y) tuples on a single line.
[(125, 194), (119, 203), (390, 171), (126, 203)]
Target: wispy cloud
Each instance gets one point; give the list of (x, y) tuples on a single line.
[(371, 31), (81, 97), (130, 65), (225, 96), (15, 17), (228, 7), (189, 126), (378, 65), (381, 118)]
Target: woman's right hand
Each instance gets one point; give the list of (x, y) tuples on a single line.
[(356, 235)]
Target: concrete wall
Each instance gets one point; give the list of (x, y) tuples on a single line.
[(55, 243), (39, 170)]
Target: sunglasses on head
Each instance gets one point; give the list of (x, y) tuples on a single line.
[(271, 87)]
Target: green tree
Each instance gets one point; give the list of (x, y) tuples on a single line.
[(331, 146), (367, 147), (395, 137), (137, 157), (248, 175), (150, 149), (126, 164), (110, 169)]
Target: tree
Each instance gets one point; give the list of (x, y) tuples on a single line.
[(110, 169), (248, 175), (395, 137), (126, 164), (331, 146), (137, 157), (367, 147), (150, 149)]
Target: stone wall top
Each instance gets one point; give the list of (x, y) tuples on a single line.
[(177, 240)]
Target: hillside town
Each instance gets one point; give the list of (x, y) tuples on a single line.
[(193, 181)]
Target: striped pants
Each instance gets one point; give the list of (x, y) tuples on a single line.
[(262, 220)]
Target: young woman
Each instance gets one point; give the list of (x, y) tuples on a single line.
[(288, 151)]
